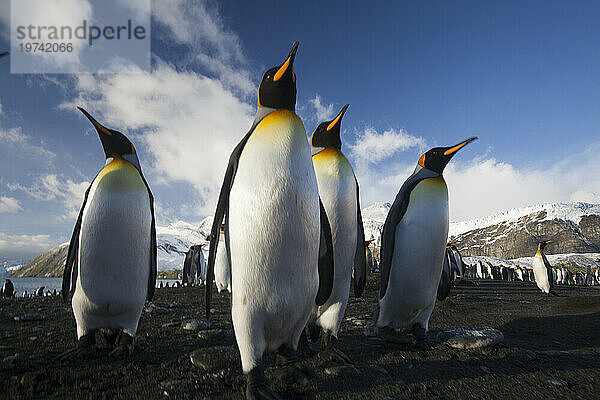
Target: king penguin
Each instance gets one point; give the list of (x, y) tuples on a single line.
[(111, 262), (222, 268), (276, 231), (339, 191), (542, 270), (413, 245)]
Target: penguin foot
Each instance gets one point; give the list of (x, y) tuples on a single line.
[(256, 386), (124, 345), (304, 348), (314, 332), (289, 372), (420, 335), (390, 335), (85, 346), (331, 352)]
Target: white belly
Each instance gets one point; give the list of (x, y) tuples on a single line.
[(541, 274), (417, 263), (337, 189), (274, 237), (222, 268), (114, 252)]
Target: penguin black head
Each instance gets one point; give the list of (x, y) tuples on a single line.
[(115, 144), (542, 245), (327, 133), (278, 86), (437, 158)]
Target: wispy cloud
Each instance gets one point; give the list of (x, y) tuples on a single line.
[(9, 205), (373, 147), (322, 112), (51, 187), (15, 138), (185, 123), (16, 246)]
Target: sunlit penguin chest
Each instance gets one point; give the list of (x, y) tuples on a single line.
[(116, 220), (276, 162), (540, 272), (422, 233), (337, 189)]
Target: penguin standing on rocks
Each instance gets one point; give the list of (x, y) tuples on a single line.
[(542, 270), (339, 191), (111, 262), (276, 232), (413, 245)]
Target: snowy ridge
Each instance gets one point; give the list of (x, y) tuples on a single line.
[(582, 260), (565, 211)]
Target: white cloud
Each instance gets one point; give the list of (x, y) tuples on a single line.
[(485, 186), (9, 205), (50, 187), (16, 246), (373, 147), (186, 123), (322, 112), (21, 143)]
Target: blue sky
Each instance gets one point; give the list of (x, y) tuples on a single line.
[(520, 75)]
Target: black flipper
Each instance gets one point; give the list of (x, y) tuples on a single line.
[(393, 218), (153, 254), (360, 258), (222, 208), (326, 267), (68, 284), (549, 273)]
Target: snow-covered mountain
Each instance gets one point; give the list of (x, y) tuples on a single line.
[(572, 227)]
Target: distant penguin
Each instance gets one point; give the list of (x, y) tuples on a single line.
[(458, 261), (445, 281), (480, 273), (8, 289), (369, 256), (542, 270), (25, 294), (194, 267), (339, 192), (40, 291), (114, 248), (273, 225), (222, 266), (413, 245)]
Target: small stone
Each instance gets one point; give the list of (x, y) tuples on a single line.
[(523, 355), (213, 310), (379, 369), (212, 360), (211, 333), (29, 317), (558, 382), (341, 370), (485, 369), (32, 338), (471, 338), (174, 304), (171, 324), (191, 325)]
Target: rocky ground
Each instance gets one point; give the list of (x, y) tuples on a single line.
[(551, 349)]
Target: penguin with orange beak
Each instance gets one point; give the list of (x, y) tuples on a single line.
[(413, 245)]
